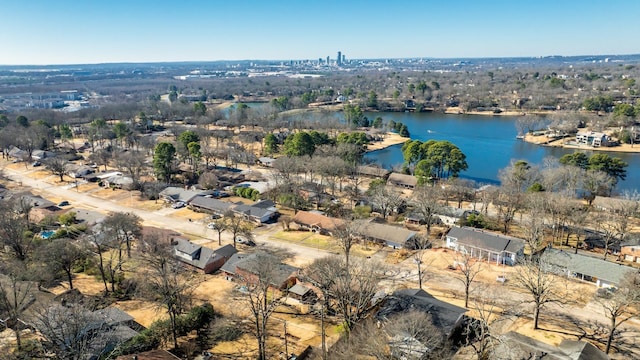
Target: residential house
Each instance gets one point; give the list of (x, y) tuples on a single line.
[(587, 268), (389, 235), (42, 154), (484, 245), (592, 138), (210, 205), (316, 222), (76, 172), (612, 204), (403, 180), (266, 161), (243, 267), (173, 194), (449, 318), (203, 258), (260, 212), (302, 293), (373, 172), (118, 182), (630, 253), (519, 346)]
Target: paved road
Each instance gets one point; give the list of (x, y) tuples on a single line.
[(159, 218)]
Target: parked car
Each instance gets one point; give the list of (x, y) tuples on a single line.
[(178, 205), (244, 241), (211, 226), (36, 163), (64, 203)]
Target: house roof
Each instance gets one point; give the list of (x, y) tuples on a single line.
[(314, 219), (609, 203), (201, 256), (231, 264), (299, 290), (179, 194), (247, 262), (403, 179), (444, 315), (521, 346), (113, 316), (373, 171), (211, 204), (252, 211), (587, 265), (388, 233), (264, 204), (486, 240)]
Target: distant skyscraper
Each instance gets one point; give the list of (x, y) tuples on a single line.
[(339, 58), (328, 59), (344, 59)]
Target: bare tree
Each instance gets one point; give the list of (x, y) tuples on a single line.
[(60, 255), (467, 268), (538, 279), (57, 165), (620, 304), (134, 163), (13, 228), (384, 199), (165, 280), (236, 226), (15, 296), (262, 295), (426, 201), (123, 227)]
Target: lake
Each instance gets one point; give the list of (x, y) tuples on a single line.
[(489, 142)]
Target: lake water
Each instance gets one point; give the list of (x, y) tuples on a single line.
[(489, 142)]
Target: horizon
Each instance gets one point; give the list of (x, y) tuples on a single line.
[(286, 60), (41, 32)]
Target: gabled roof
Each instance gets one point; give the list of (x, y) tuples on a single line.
[(211, 204), (307, 218), (246, 262), (226, 251), (403, 179), (252, 211), (444, 315), (113, 316), (185, 246), (587, 265), (179, 194), (519, 346), (264, 204), (394, 235), (373, 171), (201, 256), (231, 264), (299, 290), (486, 240)]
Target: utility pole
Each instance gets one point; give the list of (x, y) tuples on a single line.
[(286, 343)]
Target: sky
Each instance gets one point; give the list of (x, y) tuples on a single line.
[(105, 31)]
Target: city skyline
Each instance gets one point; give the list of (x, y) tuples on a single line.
[(41, 32)]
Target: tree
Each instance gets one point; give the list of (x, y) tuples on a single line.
[(134, 163), (467, 268), (123, 227), (578, 159), (199, 108), (261, 296), (16, 295), (62, 255), (619, 304), (163, 157), (22, 121), (236, 226), (353, 115), (426, 201), (165, 279), (299, 144), (270, 144), (384, 199), (437, 159), (539, 281), (13, 227), (612, 166), (57, 165)]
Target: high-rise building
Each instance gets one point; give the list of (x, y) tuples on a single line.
[(339, 58), (328, 59)]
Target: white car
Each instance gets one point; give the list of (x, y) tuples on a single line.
[(211, 226), (178, 205)]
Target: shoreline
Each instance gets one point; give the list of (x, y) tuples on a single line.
[(390, 139), (543, 140)]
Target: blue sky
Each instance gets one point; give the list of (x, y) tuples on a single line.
[(98, 31)]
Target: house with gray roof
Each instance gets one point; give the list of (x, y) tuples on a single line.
[(243, 267), (519, 346), (210, 205), (587, 268), (260, 212), (393, 236), (203, 258), (373, 171), (174, 194), (484, 245), (403, 180)]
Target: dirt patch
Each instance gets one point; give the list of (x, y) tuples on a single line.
[(143, 312), (86, 284)]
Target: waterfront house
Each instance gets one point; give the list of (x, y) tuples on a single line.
[(495, 248), (592, 138), (403, 180)]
